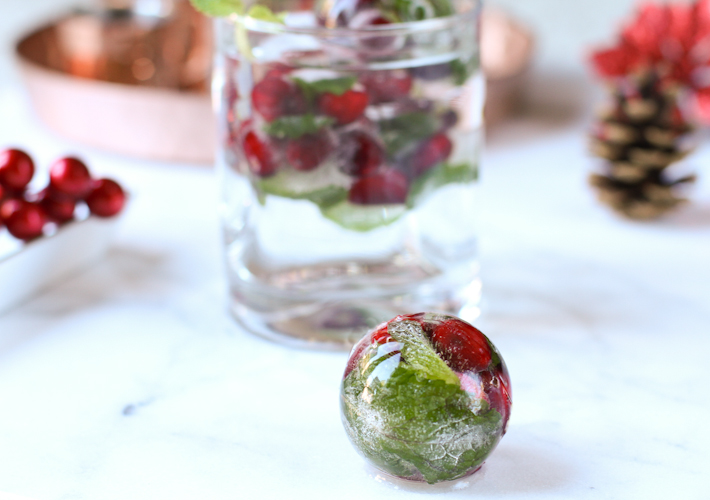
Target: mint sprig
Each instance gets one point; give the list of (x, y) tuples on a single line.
[(419, 353), (218, 8), (337, 86), (414, 426), (263, 13), (416, 10), (225, 8), (403, 131), (293, 127), (461, 70)]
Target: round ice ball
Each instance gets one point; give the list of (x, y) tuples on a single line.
[(425, 397)]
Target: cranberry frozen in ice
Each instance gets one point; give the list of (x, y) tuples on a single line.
[(425, 397)]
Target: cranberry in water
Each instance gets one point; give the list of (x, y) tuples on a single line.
[(384, 187), (387, 86), (259, 155), (274, 97), (432, 152), (345, 108), (308, 151)]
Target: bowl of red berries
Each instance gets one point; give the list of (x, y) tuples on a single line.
[(48, 232)]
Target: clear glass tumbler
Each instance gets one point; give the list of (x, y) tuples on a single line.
[(349, 164)]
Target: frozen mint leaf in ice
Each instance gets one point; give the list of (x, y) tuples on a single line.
[(337, 86), (406, 130), (418, 351), (325, 186), (362, 218), (416, 426), (293, 127)]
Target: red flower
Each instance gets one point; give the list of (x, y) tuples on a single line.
[(673, 41)]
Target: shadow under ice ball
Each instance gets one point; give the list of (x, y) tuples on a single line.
[(425, 397)]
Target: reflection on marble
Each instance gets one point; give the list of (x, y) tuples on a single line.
[(130, 380)]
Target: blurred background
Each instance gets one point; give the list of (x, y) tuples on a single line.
[(564, 32)]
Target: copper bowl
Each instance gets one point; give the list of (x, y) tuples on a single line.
[(133, 85)]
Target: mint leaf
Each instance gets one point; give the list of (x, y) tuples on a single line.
[(263, 13), (405, 130), (443, 8), (293, 127), (324, 186), (218, 8), (413, 426), (462, 70), (440, 176), (459, 72), (419, 353), (362, 218), (337, 86), (416, 10)]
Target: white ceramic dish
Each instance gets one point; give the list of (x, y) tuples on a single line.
[(29, 268)]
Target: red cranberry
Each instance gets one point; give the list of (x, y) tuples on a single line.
[(8, 207), (345, 108), (383, 187), (463, 346), (278, 69), (24, 220), (381, 335), (106, 199), (58, 208), (273, 97), (16, 169), (387, 86), (70, 177), (259, 157), (430, 153), (501, 400), (366, 156), (308, 151)]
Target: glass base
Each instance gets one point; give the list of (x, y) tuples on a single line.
[(338, 319)]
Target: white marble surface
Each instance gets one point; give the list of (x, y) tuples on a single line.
[(130, 381)]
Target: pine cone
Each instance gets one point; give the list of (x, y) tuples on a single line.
[(639, 137)]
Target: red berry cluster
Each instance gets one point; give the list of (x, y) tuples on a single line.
[(353, 137), (25, 213)]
